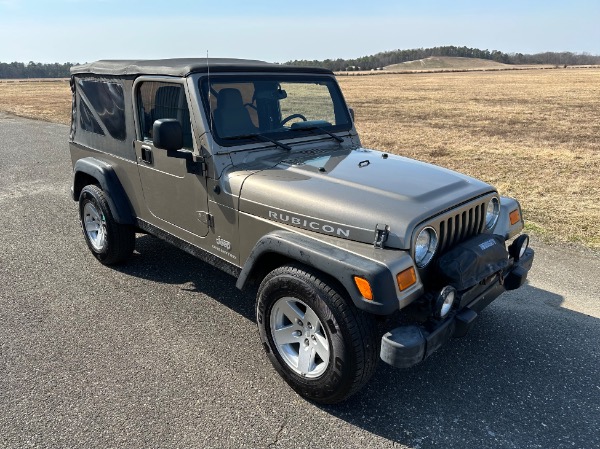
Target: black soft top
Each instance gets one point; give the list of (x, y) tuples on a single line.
[(186, 66)]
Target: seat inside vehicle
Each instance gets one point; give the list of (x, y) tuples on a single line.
[(231, 116)]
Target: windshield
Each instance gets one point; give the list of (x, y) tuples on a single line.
[(281, 106)]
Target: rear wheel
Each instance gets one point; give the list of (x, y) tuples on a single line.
[(110, 242), (323, 346)]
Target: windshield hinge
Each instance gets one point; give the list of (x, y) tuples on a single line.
[(382, 233), (196, 165), (203, 167)]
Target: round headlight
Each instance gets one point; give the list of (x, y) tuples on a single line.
[(492, 214), (425, 246)]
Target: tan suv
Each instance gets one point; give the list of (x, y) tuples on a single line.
[(257, 169)]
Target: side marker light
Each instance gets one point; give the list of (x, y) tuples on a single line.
[(406, 278), (364, 287), (515, 217)]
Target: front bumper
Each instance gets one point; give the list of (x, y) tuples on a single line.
[(408, 345)]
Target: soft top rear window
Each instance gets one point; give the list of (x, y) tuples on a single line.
[(108, 104)]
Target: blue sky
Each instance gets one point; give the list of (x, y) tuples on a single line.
[(86, 30)]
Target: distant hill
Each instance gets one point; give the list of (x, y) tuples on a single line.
[(394, 57), (447, 63)]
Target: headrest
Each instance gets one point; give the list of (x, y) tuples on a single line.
[(167, 95), (229, 98)]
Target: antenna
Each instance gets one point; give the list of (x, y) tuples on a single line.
[(209, 99)]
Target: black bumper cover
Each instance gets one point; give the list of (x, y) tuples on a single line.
[(408, 345)]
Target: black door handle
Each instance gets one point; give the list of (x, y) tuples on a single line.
[(147, 155)]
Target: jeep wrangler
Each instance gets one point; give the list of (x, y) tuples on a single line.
[(257, 169)]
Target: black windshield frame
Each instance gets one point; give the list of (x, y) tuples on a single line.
[(341, 112)]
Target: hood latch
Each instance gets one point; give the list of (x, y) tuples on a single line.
[(381, 235)]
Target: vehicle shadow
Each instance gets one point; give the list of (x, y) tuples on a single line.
[(158, 261), (525, 376)]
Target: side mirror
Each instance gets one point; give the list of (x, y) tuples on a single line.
[(351, 113), (167, 134)]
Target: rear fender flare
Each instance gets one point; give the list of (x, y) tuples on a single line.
[(109, 182)]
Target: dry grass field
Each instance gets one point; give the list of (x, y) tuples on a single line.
[(44, 100), (534, 134)]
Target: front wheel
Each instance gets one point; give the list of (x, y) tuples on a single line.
[(322, 346)]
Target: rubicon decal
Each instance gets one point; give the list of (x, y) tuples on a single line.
[(309, 223)]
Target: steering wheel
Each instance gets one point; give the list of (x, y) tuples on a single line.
[(290, 117)]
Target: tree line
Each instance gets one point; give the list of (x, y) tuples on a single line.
[(32, 69), (383, 59), (379, 60)]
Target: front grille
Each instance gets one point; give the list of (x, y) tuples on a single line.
[(461, 225)]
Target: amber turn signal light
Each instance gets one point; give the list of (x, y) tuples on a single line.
[(406, 278), (515, 216), (364, 287)]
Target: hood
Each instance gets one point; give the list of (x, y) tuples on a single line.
[(347, 193)]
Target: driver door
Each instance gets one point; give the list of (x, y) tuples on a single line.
[(176, 199)]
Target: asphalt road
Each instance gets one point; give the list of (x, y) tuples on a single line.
[(164, 352)]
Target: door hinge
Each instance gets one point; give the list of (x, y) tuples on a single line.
[(206, 218), (381, 235)]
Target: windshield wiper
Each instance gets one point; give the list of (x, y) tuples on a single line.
[(318, 128), (261, 137)]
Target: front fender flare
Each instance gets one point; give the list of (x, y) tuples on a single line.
[(503, 227), (335, 262)]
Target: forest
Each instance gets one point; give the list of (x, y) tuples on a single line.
[(20, 70)]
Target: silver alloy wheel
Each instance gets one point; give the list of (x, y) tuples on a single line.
[(95, 226), (299, 337)]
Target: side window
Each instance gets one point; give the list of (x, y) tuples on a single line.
[(156, 100), (106, 101)]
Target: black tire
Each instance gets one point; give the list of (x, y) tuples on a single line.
[(118, 240), (351, 333)]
